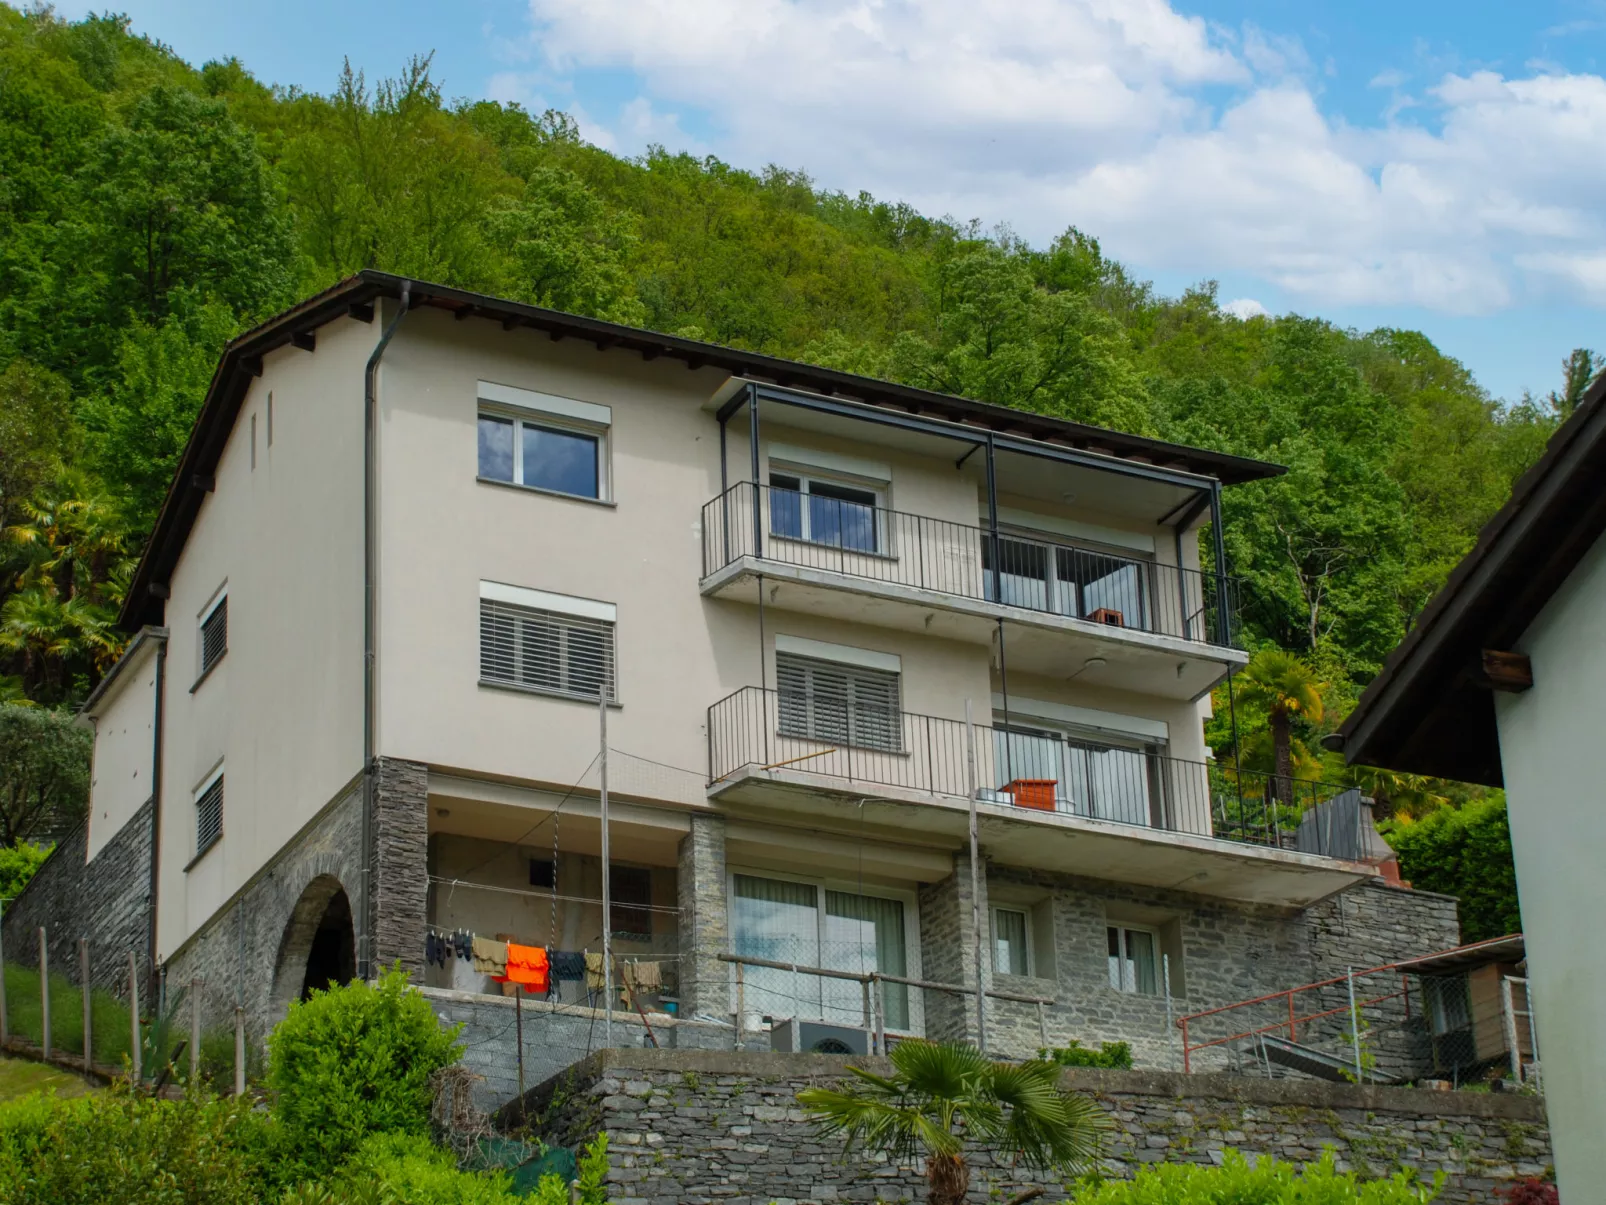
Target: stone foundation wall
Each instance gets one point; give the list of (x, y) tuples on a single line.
[(242, 952), (691, 1128), (106, 901)]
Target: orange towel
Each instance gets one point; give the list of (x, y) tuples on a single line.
[(527, 965)]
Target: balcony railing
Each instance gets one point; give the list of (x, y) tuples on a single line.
[(1030, 770), (876, 544)]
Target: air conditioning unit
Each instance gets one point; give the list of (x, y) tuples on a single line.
[(793, 1036)]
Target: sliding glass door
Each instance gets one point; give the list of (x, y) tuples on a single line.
[(1101, 780)]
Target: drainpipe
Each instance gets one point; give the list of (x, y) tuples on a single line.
[(156, 812), (370, 787)]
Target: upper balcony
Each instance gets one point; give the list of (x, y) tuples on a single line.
[(1045, 800), (1163, 630)]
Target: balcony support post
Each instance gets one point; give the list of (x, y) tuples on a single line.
[(758, 496), (992, 521), (1223, 619)]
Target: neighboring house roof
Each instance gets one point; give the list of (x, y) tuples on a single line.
[(1511, 948), (241, 361), (1431, 711)]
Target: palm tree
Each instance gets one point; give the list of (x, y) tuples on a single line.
[(942, 1096), (1285, 686)]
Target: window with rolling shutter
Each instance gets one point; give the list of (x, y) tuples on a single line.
[(215, 634), (209, 816), (546, 651), (837, 703)]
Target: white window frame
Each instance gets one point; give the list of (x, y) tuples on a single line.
[(214, 776), (808, 475), (1123, 929), (1025, 913), (911, 921), (548, 412), (203, 667)]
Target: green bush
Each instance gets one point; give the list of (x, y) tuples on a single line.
[(1265, 1182), (354, 1061), (132, 1149), (1073, 1054), (1464, 852), (17, 865)]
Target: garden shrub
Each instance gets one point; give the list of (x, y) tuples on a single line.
[(1266, 1182), (1117, 1055), (1529, 1192), (128, 1148), (1464, 852), (354, 1061)]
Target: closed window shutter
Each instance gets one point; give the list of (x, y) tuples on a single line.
[(215, 635), (546, 651), (209, 816), (840, 704)]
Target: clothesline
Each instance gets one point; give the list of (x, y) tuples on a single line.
[(536, 968), (548, 895)]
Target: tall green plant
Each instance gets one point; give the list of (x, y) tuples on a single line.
[(944, 1100), (1266, 1181)]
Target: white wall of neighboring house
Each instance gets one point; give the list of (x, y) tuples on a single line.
[(282, 712), (1550, 740), (125, 747)]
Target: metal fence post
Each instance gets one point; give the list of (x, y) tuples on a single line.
[(44, 993), (239, 1051), (741, 1004), (195, 1028), (1509, 1018), (133, 1018), (1355, 1025), (881, 1015), (83, 981)]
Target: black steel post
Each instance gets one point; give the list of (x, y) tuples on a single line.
[(758, 497), (1223, 620), (992, 522)]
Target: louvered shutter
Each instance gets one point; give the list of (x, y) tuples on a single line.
[(546, 651), (209, 816), (838, 704), (215, 634)]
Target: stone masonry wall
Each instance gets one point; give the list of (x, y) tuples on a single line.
[(692, 1128), (241, 952), (704, 920), (1222, 952), (106, 901), (400, 898)]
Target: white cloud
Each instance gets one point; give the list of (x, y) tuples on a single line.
[(1245, 308), (1184, 147)]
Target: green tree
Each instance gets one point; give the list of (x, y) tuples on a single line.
[(19, 863), (1578, 373), (44, 773), (944, 1098), (1464, 852), (1285, 687), (566, 248), (36, 433)]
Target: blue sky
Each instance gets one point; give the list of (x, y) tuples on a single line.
[(1435, 165)]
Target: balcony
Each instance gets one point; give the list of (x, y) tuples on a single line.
[(1161, 629), (1127, 814)]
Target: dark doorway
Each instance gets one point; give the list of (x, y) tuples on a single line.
[(333, 957)]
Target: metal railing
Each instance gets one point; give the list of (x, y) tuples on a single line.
[(876, 544), (757, 729)]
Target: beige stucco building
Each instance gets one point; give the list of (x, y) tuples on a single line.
[(419, 536)]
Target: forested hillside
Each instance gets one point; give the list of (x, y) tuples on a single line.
[(150, 209)]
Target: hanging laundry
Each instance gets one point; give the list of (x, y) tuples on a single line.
[(649, 976), (463, 943), (490, 957), (429, 949), (527, 966), (567, 964), (594, 979)]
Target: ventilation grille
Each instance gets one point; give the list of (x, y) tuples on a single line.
[(215, 635), (209, 816), (839, 704), (546, 651)]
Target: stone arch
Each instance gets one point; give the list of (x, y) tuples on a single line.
[(318, 946)]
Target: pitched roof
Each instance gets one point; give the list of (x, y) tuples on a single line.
[(241, 361), (1430, 710)]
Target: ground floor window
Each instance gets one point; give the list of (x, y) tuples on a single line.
[(1011, 942), (1134, 959), (807, 923)]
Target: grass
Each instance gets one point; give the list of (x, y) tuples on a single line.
[(19, 1077), (109, 1022)]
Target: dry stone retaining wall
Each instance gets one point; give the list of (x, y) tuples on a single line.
[(697, 1128)]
